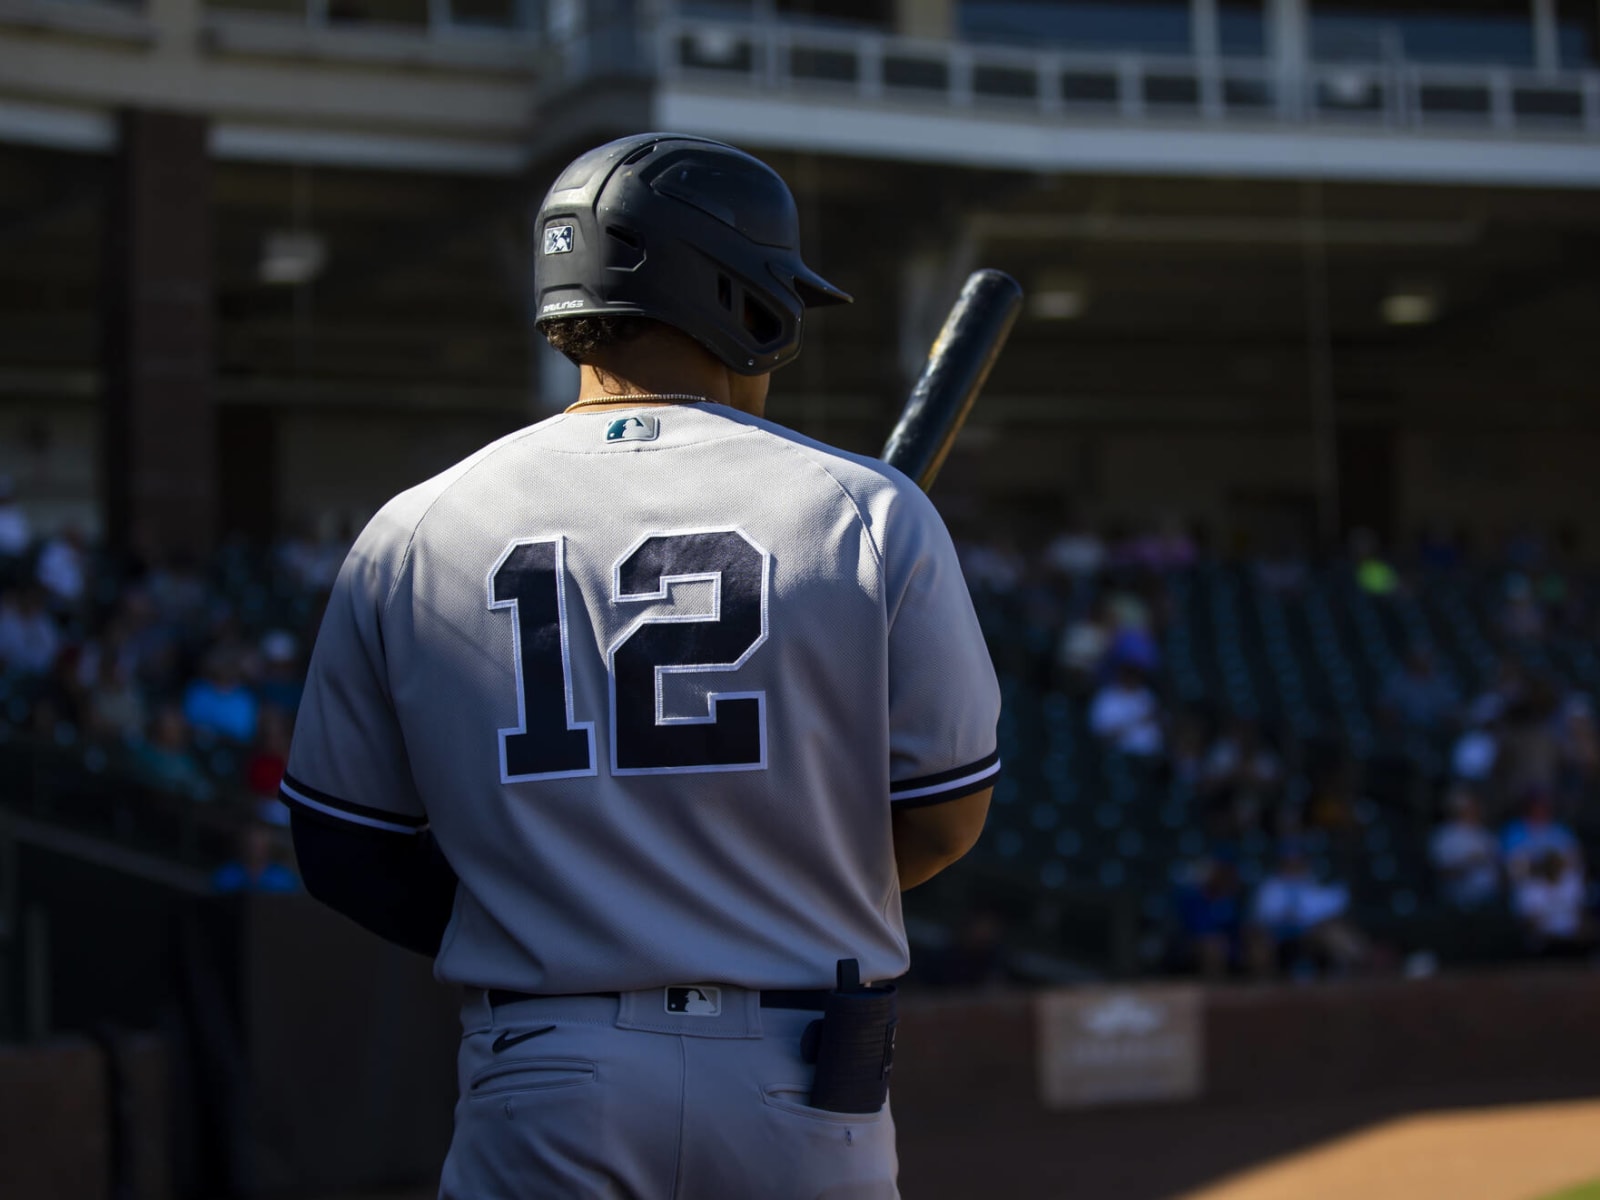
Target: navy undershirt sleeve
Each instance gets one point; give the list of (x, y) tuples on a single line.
[(396, 885)]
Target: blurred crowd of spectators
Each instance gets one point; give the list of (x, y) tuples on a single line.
[(182, 678), (186, 676), (1495, 811)]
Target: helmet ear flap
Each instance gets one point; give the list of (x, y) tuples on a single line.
[(760, 322), (764, 326)]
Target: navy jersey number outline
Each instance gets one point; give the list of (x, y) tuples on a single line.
[(731, 735), (523, 580), (530, 579)]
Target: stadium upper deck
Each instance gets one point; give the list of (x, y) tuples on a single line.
[(1504, 93), (1304, 262)]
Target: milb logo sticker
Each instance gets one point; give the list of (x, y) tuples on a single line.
[(558, 239)]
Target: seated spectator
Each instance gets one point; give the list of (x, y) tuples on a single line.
[(311, 562), (1465, 854), (16, 534), (29, 640), (259, 867), (1578, 737), (1417, 697), (1082, 650), (1242, 775), (1298, 923), (116, 707), (178, 593), (1551, 900), (1128, 611), (1521, 617), (263, 770), (1133, 641), (282, 675), (996, 568), (1210, 912), (63, 566), (1126, 715), (1169, 549), (1535, 834), (219, 702), (166, 761), (1477, 751), (1077, 553), (1373, 573), (1529, 741), (1508, 689)]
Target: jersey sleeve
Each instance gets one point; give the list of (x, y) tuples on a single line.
[(348, 758), (944, 700)]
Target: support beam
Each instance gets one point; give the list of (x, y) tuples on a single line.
[(1206, 41), (1289, 46), (159, 434), (1546, 37), (1205, 30)]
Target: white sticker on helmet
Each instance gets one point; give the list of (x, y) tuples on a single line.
[(558, 239)]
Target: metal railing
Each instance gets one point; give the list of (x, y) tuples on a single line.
[(873, 68), (655, 40)]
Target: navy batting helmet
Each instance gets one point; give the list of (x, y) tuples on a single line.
[(686, 231)]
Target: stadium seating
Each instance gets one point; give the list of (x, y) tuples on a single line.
[(1080, 836)]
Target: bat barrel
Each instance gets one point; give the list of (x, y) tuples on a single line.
[(957, 367)]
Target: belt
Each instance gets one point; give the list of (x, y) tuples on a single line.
[(811, 1001)]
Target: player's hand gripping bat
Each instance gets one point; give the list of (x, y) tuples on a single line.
[(957, 366)]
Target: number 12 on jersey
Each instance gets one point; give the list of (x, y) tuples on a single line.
[(549, 742)]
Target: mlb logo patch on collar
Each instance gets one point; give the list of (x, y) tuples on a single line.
[(633, 429), (701, 1000)]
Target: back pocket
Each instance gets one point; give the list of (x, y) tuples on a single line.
[(797, 1099), (531, 1075)]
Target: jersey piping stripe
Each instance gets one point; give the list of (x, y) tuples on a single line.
[(925, 783), (295, 792), (948, 785)]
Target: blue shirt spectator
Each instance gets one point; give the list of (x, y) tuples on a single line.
[(1535, 834), (219, 702), (257, 868)]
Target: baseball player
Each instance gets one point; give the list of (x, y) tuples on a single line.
[(640, 719)]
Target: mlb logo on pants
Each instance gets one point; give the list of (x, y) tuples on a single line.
[(697, 1001)]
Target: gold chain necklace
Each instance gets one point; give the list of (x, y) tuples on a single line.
[(643, 398)]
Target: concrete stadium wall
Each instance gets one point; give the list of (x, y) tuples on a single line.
[(1284, 1068), (346, 1079), (56, 1122)]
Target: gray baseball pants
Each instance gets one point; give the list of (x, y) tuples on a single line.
[(592, 1096)]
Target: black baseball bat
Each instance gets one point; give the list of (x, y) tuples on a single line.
[(957, 366)]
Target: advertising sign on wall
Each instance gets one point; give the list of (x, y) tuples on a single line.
[(1119, 1046)]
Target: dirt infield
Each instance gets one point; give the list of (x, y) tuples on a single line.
[(1513, 1153)]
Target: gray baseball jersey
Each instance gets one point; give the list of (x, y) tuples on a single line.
[(654, 678)]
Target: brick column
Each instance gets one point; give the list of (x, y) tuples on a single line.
[(159, 445)]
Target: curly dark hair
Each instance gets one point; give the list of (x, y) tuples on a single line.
[(583, 339)]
